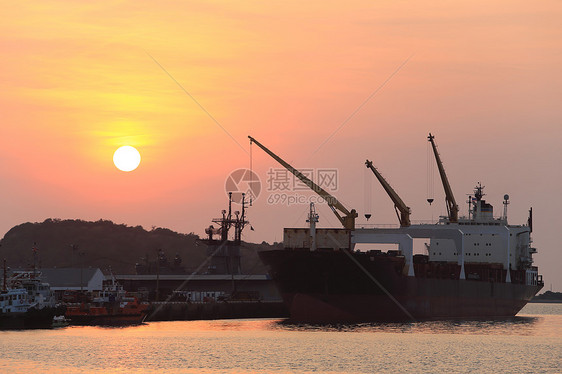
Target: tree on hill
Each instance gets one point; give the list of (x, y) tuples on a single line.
[(104, 244)]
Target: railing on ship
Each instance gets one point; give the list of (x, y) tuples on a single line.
[(393, 225), (440, 221)]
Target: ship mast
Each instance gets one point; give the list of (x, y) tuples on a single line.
[(346, 217), (402, 211), (312, 219), (227, 221), (452, 207)]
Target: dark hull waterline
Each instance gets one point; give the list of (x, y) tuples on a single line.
[(326, 287), (32, 319)]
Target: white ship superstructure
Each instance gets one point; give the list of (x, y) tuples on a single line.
[(487, 240)]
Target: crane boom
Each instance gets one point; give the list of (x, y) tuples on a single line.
[(452, 207), (402, 211), (346, 217)]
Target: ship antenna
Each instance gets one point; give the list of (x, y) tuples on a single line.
[(469, 201), (505, 204), (251, 172), (312, 219), (229, 205), (478, 194)]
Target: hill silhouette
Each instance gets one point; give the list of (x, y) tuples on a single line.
[(548, 296), (104, 244)]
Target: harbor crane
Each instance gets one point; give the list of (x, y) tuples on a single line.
[(402, 211), (452, 207), (345, 216)]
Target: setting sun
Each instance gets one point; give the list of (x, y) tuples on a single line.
[(126, 158)]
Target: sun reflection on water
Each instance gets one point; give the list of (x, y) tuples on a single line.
[(530, 343)]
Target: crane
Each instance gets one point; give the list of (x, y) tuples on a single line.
[(402, 211), (452, 207), (346, 217)]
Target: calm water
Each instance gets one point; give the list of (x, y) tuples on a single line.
[(528, 343)]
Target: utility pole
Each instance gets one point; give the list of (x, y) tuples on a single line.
[(157, 274), (34, 249), (6, 277), (81, 254)]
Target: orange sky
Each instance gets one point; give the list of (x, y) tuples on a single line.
[(78, 81)]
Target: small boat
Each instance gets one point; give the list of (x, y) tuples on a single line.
[(60, 321)]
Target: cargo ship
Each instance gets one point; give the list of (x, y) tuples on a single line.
[(473, 267)]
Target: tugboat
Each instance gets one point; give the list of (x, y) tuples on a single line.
[(112, 307), (26, 302), (14, 305)]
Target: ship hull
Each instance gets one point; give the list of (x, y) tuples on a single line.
[(106, 320), (31, 319), (333, 286), (106, 315)]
